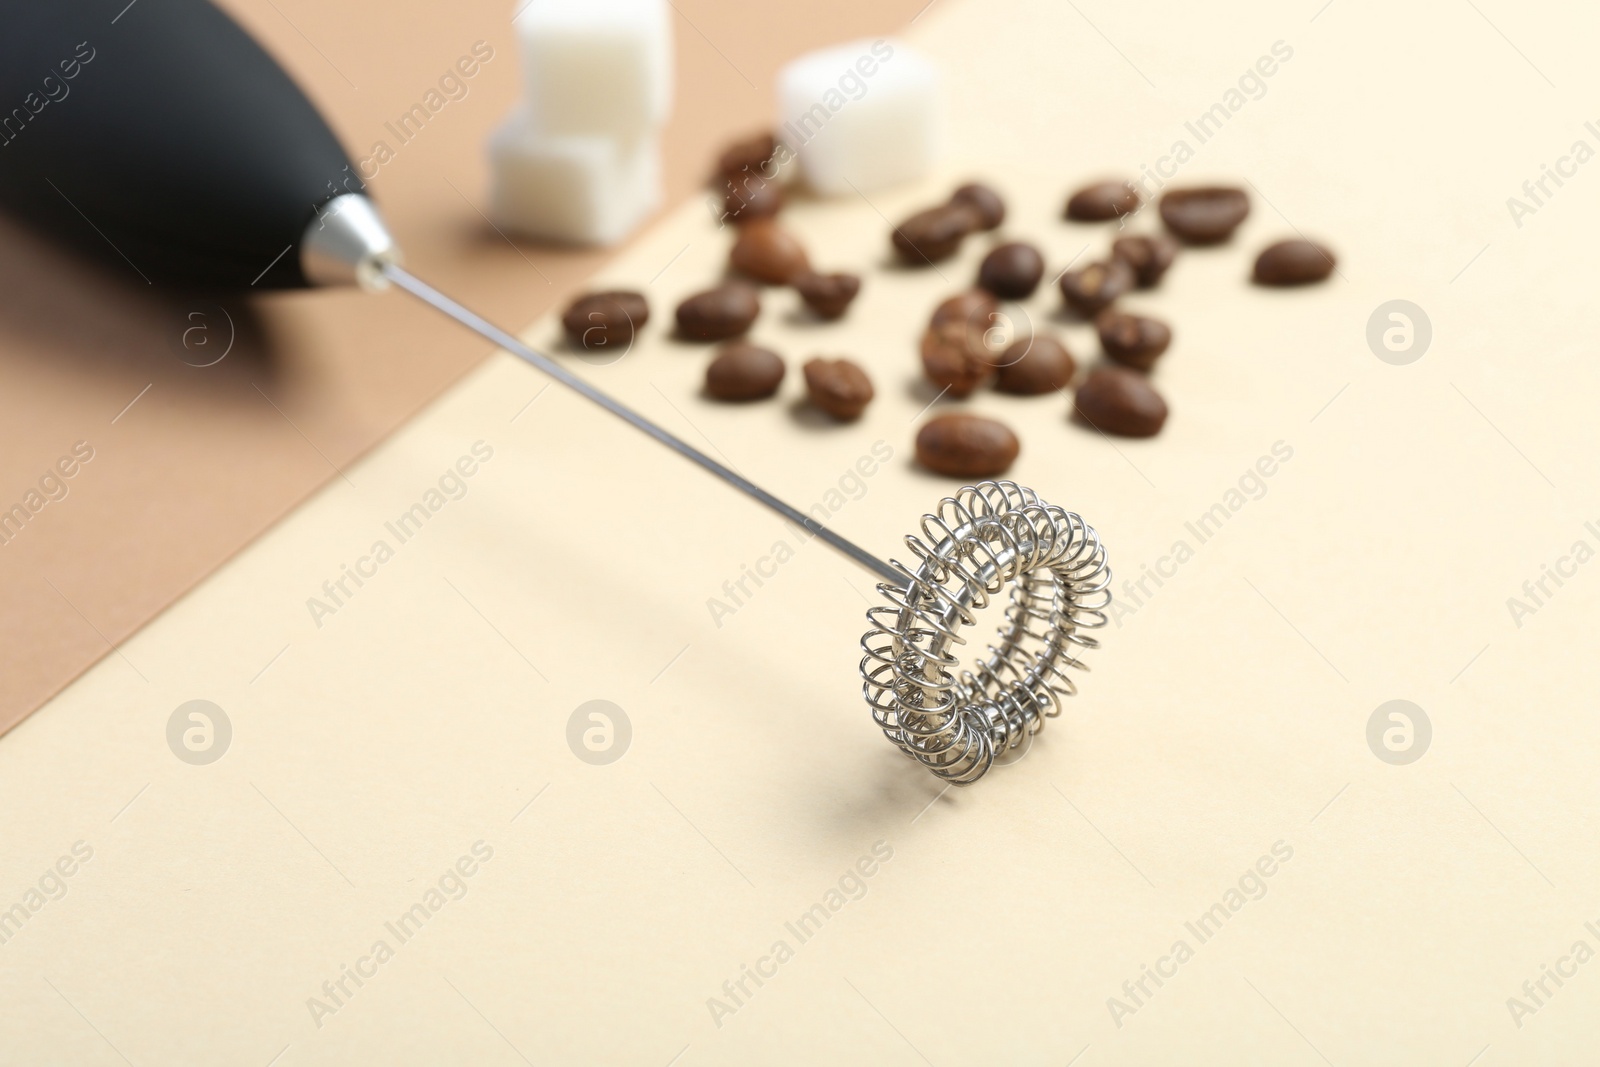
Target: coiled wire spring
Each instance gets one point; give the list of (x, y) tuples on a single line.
[(985, 537)]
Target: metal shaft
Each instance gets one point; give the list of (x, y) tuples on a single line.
[(429, 295)]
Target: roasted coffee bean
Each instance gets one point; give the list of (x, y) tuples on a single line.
[(966, 446), (1012, 270), (954, 359), (1149, 257), (768, 253), (1132, 340), (935, 234), (1204, 216), (990, 209), (973, 308), (1092, 288), (605, 320), (953, 347), (1293, 262), (1120, 401), (827, 295), (749, 197), (838, 387), (748, 156), (1035, 365), (720, 313), (744, 371), (1102, 201)]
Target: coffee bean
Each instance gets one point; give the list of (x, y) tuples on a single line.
[(838, 387), (827, 295), (990, 209), (966, 446), (1035, 365), (1120, 401), (605, 320), (1204, 216), (1012, 270), (744, 371), (1089, 289), (748, 156), (974, 308), (1148, 256), (1132, 340), (749, 197), (768, 253), (935, 234), (954, 353), (1293, 262), (1102, 201), (720, 313), (954, 359)]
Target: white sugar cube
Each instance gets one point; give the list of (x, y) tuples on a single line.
[(864, 114), (597, 66), (575, 189)]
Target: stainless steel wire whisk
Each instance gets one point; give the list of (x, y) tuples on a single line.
[(986, 538)]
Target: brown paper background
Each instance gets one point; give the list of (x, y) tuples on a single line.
[(1227, 714), (203, 463)]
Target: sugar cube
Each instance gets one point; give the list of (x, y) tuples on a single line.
[(597, 66), (579, 189), (864, 114)]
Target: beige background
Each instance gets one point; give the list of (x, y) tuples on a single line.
[(1227, 714)]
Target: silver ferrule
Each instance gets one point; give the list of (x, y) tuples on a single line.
[(348, 243)]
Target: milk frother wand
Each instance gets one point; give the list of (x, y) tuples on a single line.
[(158, 135)]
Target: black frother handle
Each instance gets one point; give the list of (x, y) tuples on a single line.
[(159, 137)]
